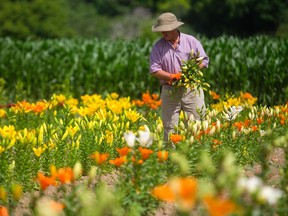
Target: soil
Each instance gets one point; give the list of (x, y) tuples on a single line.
[(276, 160)]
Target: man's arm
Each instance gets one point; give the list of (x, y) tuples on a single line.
[(163, 75)]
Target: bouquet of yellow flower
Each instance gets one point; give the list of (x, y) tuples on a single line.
[(191, 76)]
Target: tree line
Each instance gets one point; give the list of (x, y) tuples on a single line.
[(129, 19)]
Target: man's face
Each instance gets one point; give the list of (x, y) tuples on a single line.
[(170, 35)]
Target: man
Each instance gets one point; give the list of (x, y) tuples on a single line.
[(165, 62)]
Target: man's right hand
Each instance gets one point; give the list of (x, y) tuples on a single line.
[(174, 77)]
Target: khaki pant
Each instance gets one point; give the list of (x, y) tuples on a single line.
[(176, 99)]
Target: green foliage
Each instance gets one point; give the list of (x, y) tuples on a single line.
[(257, 62), (34, 19), (39, 69), (233, 17), (179, 7), (213, 155), (23, 19)]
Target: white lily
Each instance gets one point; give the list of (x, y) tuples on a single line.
[(270, 195), (130, 138), (145, 138), (252, 184), (233, 113)]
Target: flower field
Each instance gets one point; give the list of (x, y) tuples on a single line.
[(56, 154)]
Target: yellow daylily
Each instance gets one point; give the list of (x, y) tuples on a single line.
[(2, 149), (2, 113), (8, 131), (132, 115), (38, 151)]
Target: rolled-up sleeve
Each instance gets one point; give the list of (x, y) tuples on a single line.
[(155, 60), (200, 49)]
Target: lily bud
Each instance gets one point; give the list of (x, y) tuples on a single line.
[(182, 125), (92, 173), (17, 191), (212, 131), (191, 140), (199, 59), (233, 135), (77, 170), (205, 125)]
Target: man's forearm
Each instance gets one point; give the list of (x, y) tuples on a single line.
[(163, 75)]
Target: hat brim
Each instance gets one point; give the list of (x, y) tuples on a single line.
[(164, 28)]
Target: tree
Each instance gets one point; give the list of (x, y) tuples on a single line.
[(235, 17), (34, 19)]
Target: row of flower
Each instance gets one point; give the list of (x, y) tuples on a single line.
[(70, 145)]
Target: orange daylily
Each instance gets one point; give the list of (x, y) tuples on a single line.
[(164, 193), (4, 211), (45, 181), (260, 120), (118, 161), (39, 107), (56, 206), (182, 191), (187, 192), (138, 102), (149, 100), (155, 96), (162, 155), (65, 175), (219, 207), (214, 95), (282, 119), (146, 98), (99, 158), (239, 125), (216, 143), (246, 95), (254, 127), (175, 138), (139, 162), (123, 151), (145, 153), (247, 122)]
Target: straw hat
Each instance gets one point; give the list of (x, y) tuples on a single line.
[(166, 22)]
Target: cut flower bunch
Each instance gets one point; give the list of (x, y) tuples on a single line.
[(191, 75)]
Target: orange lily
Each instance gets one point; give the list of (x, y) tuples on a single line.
[(239, 125), (162, 155), (145, 153), (164, 193), (45, 181), (118, 161), (65, 175), (214, 95), (4, 211), (99, 158), (219, 207), (260, 120), (254, 127), (182, 191), (123, 151), (139, 162), (57, 206), (175, 138)]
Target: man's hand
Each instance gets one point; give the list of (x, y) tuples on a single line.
[(174, 77)]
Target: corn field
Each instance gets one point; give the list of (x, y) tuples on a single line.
[(38, 69)]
